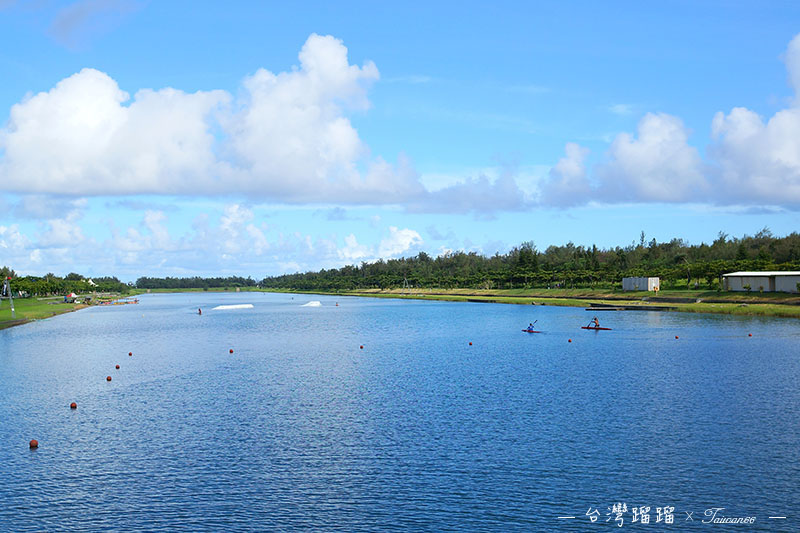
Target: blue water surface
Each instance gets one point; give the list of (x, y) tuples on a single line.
[(301, 428)]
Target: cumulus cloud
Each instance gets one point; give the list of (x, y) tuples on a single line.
[(11, 238), (567, 183), (480, 195), (657, 165), (230, 240), (399, 242), (63, 232), (751, 161), (760, 161), (285, 137), (79, 139), (353, 251)]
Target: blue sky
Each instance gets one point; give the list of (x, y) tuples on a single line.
[(253, 138)]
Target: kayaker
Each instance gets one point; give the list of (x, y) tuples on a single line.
[(596, 322), (199, 311)]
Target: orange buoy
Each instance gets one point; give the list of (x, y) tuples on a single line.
[(73, 405), (470, 344), (108, 378), (117, 367), (749, 334), (33, 443), (231, 350), (569, 340), (676, 336)]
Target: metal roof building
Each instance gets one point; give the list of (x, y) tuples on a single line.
[(774, 281)]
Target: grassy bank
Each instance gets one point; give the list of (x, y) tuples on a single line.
[(732, 303), (28, 309)]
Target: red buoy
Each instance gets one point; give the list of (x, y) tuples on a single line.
[(231, 350), (749, 334), (361, 347), (569, 340), (130, 353), (34, 443), (676, 336), (470, 344), (108, 378), (117, 367), (73, 405)]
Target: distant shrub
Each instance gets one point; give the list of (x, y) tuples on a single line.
[(746, 287)]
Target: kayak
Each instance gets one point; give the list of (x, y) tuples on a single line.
[(531, 331), (596, 328)]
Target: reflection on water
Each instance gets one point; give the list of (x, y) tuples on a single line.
[(301, 428)]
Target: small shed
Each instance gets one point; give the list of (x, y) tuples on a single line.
[(769, 281), (641, 284)]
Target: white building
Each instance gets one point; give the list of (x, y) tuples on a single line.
[(762, 281), (641, 284)]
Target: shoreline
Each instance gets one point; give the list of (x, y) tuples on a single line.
[(781, 306), (5, 324), (775, 305)]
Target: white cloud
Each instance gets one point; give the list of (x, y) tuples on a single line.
[(38, 206), (398, 242), (750, 161), (480, 195), (79, 138), (793, 64), (234, 217), (657, 165), (11, 239), (63, 232), (154, 221), (567, 183), (352, 251), (621, 109), (287, 137), (258, 240), (760, 162)]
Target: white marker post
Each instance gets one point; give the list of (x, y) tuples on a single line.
[(7, 290)]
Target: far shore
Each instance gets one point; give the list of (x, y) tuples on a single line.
[(689, 301), (731, 303)]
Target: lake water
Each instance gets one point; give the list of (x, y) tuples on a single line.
[(300, 428)]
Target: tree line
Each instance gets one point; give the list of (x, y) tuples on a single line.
[(194, 282), (52, 285), (678, 264)]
